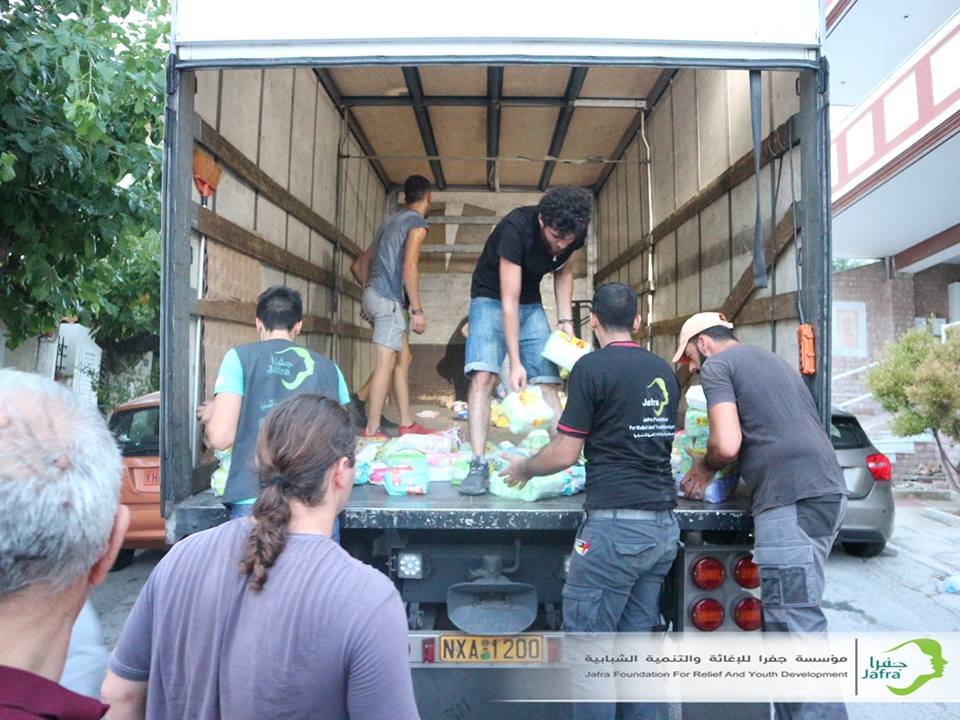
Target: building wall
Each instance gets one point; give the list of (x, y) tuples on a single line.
[(890, 306), (930, 290)]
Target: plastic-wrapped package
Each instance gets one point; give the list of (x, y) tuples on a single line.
[(564, 350), (565, 482), (526, 410), (218, 480), (446, 441), (694, 439), (407, 473), (535, 440)]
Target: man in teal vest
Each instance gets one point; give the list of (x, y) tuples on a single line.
[(255, 377)]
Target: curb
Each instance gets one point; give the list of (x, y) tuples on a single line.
[(942, 517), (920, 494)]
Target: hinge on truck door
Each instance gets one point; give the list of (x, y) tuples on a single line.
[(823, 77), (171, 72)]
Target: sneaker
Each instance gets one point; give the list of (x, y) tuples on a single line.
[(477, 480), (359, 410), (378, 434), (415, 429)]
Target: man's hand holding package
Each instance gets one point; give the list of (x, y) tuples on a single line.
[(516, 474), (694, 483)]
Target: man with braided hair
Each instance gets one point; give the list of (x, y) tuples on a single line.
[(301, 631)]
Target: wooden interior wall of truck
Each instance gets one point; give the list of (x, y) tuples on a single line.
[(286, 212), (698, 254)]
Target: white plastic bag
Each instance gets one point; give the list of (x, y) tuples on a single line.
[(526, 410)]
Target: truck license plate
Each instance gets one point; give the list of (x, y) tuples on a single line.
[(481, 649)]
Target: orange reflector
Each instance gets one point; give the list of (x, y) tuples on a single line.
[(747, 614), (708, 573), (429, 650), (746, 573), (707, 615)]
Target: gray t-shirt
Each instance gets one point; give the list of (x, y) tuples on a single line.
[(785, 454), (386, 268), (325, 638)]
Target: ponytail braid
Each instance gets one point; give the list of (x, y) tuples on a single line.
[(268, 537), (301, 439)]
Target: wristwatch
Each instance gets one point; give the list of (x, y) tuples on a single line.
[(416, 312), (565, 320)]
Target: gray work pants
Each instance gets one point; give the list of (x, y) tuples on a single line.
[(617, 569), (791, 546)]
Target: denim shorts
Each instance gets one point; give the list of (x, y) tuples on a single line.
[(487, 347), (388, 317)]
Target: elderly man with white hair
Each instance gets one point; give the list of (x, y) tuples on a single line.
[(60, 530)]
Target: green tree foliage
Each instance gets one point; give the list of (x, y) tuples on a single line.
[(81, 100), (918, 380)]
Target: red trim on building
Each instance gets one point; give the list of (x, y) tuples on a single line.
[(836, 9), (927, 112), (927, 248)]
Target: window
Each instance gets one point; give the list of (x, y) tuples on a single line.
[(137, 431), (846, 434)]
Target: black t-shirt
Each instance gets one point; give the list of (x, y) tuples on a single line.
[(518, 239), (622, 400)]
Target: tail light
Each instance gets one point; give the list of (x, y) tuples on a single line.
[(746, 573), (747, 614), (708, 573), (707, 615), (429, 650), (879, 466)]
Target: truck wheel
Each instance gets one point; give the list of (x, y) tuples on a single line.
[(124, 558), (864, 549)]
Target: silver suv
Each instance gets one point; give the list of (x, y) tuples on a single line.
[(870, 510)]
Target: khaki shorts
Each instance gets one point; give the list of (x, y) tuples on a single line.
[(388, 317)]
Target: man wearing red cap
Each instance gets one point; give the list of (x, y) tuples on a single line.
[(761, 413)]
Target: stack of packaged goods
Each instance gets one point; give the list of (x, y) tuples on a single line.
[(692, 441)]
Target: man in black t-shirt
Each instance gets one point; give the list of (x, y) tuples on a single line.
[(506, 312), (621, 411)]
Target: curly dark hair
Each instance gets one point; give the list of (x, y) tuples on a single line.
[(566, 209)]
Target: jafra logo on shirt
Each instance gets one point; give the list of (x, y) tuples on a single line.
[(657, 396), (283, 367), (908, 666)]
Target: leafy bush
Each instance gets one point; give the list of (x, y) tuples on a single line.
[(918, 380)]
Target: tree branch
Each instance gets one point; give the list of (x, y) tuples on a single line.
[(948, 467)]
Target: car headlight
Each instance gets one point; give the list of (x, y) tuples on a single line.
[(410, 565)]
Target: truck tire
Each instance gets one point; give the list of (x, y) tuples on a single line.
[(871, 549)]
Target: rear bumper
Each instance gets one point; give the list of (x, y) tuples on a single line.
[(146, 527), (869, 518)]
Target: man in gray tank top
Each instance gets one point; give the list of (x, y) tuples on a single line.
[(389, 271), (255, 377), (762, 413)]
